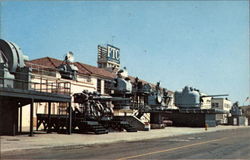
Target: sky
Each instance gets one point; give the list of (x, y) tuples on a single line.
[(203, 44)]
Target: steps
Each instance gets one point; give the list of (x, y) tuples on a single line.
[(133, 121), (123, 124), (92, 126), (127, 126), (96, 127)]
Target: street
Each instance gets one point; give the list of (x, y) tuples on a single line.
[(227, 144)]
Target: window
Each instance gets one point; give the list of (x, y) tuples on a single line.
[(215, 105), (107, 87), (89, 79), (99, 85), (62, 108)]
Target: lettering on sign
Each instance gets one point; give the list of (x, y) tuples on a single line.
[(113, 54)]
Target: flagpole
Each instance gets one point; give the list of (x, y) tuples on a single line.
[(245, 101)]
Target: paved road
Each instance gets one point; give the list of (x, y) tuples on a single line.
[(228, 144)]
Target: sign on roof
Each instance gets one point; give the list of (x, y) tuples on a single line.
[(113, 54)]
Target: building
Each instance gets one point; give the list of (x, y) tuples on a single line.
[(63, 78), (246, 112), (46, 70), (206, 102), (221, 103), (18, 90)]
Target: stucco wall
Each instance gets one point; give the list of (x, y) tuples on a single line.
[(222, 104)]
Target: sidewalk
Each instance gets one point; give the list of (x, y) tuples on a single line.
[(10, 143)]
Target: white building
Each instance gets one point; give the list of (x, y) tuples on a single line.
[(222, 103), (45, 72)]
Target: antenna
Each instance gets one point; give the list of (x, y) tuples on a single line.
[(112, 41)]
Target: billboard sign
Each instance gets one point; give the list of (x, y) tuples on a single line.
[(113, 54)]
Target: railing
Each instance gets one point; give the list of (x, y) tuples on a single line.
[(53, 87), (54, 72), (46, 86)]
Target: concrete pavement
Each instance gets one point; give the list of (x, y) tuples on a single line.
[(43, 140)]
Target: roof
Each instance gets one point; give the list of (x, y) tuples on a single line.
[(48, 63), (132, 79), (52, 63), (96, 71), (246, 106)]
